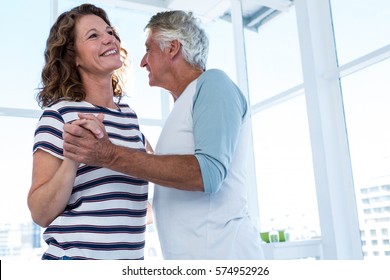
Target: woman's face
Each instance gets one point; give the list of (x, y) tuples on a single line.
[(97, 49)]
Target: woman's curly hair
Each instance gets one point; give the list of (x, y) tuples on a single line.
[(60, 78)]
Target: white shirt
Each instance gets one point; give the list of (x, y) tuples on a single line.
[(208, 120)]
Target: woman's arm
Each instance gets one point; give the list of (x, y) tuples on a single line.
[(51, 187)]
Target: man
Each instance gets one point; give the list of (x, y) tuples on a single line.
[(200, 197)]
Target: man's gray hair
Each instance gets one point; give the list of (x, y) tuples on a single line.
[(184, 27)]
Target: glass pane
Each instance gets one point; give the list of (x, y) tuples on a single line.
[(18, 234), (366, 101), (221, 40), (285, 179), (360, 27), (273, 57), (25, 27)]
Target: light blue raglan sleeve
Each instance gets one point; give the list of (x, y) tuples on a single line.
[(218, 110)]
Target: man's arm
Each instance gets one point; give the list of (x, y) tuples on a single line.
[(81, 145), (218, 112)]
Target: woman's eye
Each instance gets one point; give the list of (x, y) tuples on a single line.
[(93, 35), (110, 32)]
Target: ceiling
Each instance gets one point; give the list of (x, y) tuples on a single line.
[(255, 12)]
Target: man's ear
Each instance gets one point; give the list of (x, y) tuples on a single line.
[(174, 48)]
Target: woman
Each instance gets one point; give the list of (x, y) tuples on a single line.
[(89, 212)]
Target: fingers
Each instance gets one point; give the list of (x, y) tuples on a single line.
[(71, 154), (73, 134), (78, 142), (92, 123), (99, 116), (81, 138), (75, 128), (70, 149)]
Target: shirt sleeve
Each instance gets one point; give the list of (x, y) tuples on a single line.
[(48, 133), (218, 111)]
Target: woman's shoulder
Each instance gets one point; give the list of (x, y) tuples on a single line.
[(66, 103)]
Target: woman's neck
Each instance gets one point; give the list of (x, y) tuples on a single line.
[(99, 92)]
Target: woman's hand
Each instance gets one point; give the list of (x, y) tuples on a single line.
[(86, 140)]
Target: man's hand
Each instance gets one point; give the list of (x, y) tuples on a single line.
[(86, 140)]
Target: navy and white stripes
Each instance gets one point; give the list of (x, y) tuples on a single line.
[(106, 215)]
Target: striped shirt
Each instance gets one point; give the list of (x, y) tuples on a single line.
[(106, 214)]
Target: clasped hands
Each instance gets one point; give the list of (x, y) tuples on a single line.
[(86, 140)]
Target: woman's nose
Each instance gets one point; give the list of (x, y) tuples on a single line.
[(108, 39)]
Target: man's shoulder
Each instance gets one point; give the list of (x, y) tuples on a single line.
[(216, 73), (214, 77)]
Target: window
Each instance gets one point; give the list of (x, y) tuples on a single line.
[(358, 25), (366, 201), (365, 97), (284, 170), (280, 133), (14, 93), (19, 80), (273, 68), (365, 90)]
